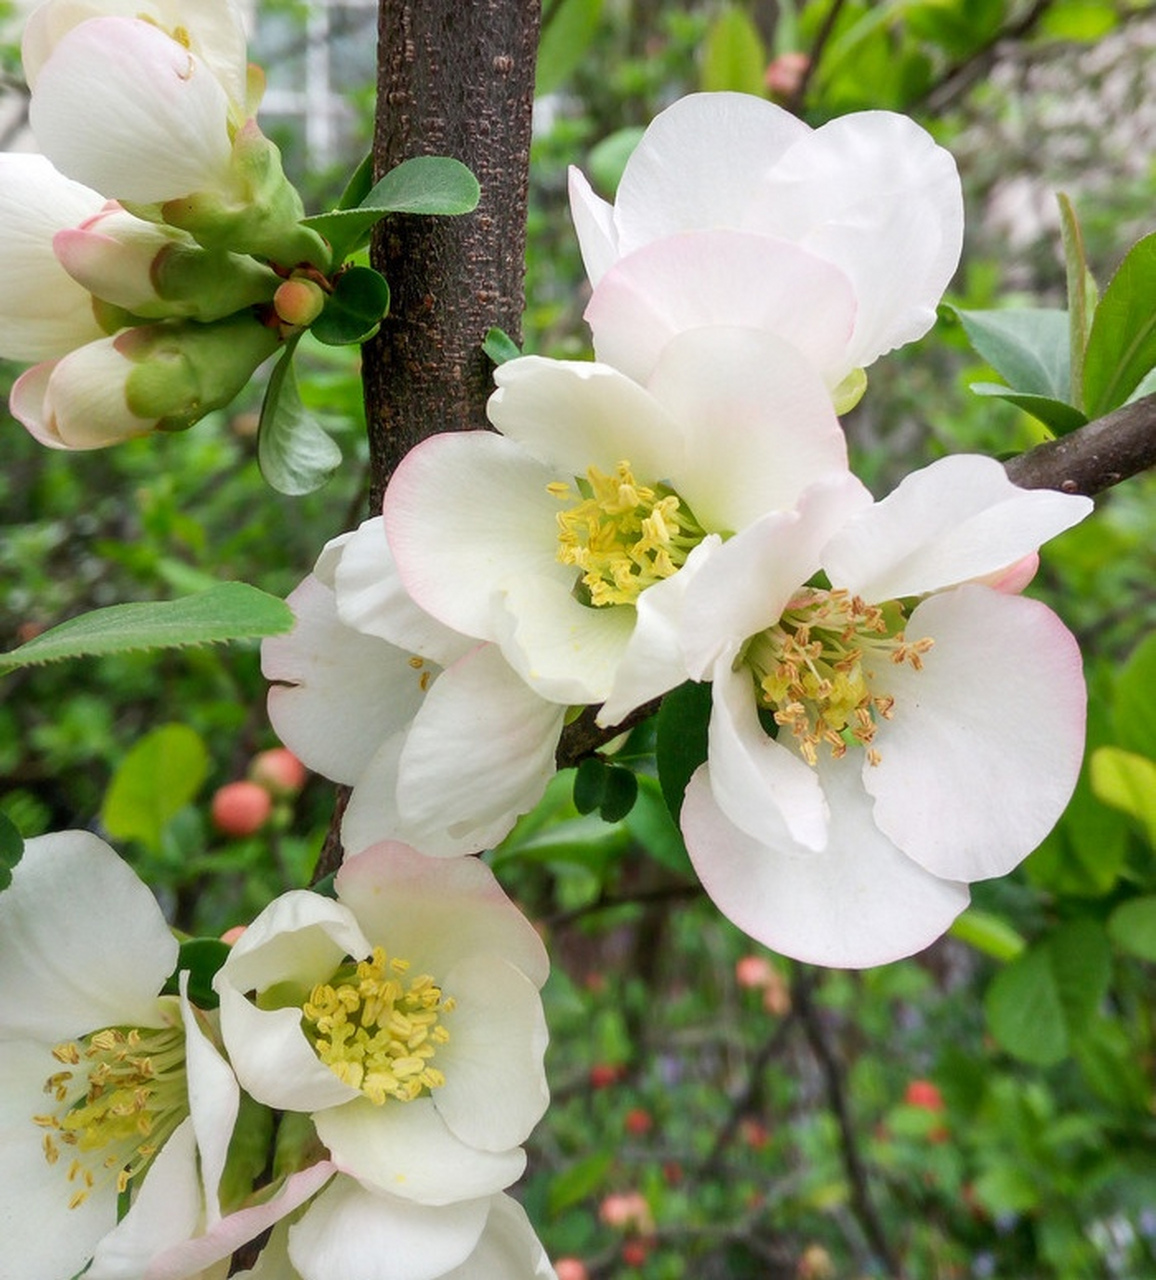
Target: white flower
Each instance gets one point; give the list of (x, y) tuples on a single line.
[(100, 1071), (725, 200), (443, 744), (404, 1017), (557, 540), (44, 313), (930, 726)]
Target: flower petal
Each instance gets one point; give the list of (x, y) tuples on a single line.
[(214, 1100), (982, 752), (736, 279), (350, 1231), (593, 222), (857, 903), (959, 518), (495, 1090), (508, 1249), (83, 943), (405, 1149)]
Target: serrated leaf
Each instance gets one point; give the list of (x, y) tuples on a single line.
[(294, 454), (422, 185), (565, 39), (499, 346), (1127, 781), (1042, 1001), (681, 742), (1122, 342), (355, 308), (1028, 347), (228, 611), (734, 57), (1057, 415), (154, 781), (11, 849), (1132, 927)]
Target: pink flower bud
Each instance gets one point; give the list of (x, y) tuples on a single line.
[(241, 808)]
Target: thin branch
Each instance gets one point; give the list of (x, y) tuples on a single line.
[(584, 736), (1094, 457), (745, 1100), (797, 100), (607, 902)]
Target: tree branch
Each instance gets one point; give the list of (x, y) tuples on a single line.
[(1094, 457)]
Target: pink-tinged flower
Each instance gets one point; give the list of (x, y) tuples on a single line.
[(929, 727), (160, 377), (726, 198), (443, 744), (106, 1081), (558, 539), (44, 313), (404, 1018)]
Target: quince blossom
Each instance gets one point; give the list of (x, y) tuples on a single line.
[(443, 744), (930, 726), (557, 539), (405, 1019), (726, 199)]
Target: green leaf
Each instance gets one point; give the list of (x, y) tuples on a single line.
[(355, 308), (158, 777), (359, 185), (1110, 1063), (202, 957), (619, 794), (1127, 782), (607, 160), (1132, 927), (11, 849), (228, 611), (566, 37), (1027, 347), (580, 1180), (681, 744), (589, 784), (294, 454), (988, 933), (1057, 415), (1134, 700), (499, 346), (1076, 271), (1039, 1004), (1122, 343), (651, 825), (734, 57), (422, 185)]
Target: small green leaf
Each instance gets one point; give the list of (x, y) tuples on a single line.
[(578, 1181), (1127, 782), (294, 454), (202, 957), (734, 57), (1132, 927), (499, 346), (1043, 1000), (607, 160), (681, 744), (1076, 270), (1122, 343), (359, 185), (589, 784), (1134, 700), (1028, 347), (355, 308), (1057, 415), (11, 849), (619, 794), (158, 777), (650, 823), (229, 611), (988, 933), (566, 37)]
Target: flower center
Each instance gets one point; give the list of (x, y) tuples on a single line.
[(623, 536), (376, 1031), (121, 1094), (813, 669)]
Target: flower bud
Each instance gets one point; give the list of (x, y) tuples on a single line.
[(299, 301)]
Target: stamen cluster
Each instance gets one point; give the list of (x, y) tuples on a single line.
[(624, 536), (376, 1033), (810, 669)]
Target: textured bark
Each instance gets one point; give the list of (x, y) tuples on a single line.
[(458, 80)]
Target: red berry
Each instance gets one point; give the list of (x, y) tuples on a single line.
[(638, 1121), (922, 1093), (240, 808), (603, 1075), (635, 1253)]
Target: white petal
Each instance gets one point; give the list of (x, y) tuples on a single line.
[(437, 912), (593, 222), (466, 514), (214, 1099), (959, 518), (339, 693), (406, 1150), (43, 1238), (83, 943), (982, 753), (759, 424), (124, 108), (860, 902), (371, 814), (478, 755), (763, 788), (699, 164), (371, 599), (508, 1249), (732, 278), (495, 1090), (351, 1232), (574, 414)]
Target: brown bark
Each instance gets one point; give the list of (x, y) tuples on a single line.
[(454, 79)]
